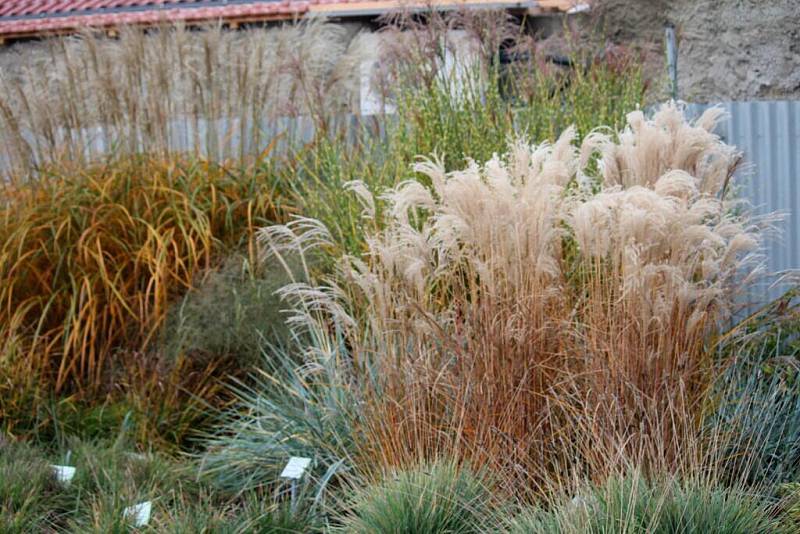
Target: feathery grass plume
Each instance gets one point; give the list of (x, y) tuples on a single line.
[(511, 318)]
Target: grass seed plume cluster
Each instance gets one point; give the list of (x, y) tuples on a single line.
[(537, 315)]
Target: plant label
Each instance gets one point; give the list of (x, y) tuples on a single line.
[(63, 473), (138, 514), (139, 457), (295, 468)]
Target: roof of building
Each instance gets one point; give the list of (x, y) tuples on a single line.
[(23, 18)]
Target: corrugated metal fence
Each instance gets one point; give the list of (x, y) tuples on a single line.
[(768, 134)]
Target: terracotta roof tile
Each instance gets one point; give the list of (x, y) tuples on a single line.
[(32, 17), (25, 17)]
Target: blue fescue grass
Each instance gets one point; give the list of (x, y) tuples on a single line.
[(753, 414), (291, 407), (631, 504), (438, 497)]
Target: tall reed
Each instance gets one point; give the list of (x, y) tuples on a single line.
[(458, 85), (213, 92)]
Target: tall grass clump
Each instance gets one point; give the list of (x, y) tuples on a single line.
[(527, 295), (210, 92), (297, 405), (548, 313), (91, 258), (462, 83)]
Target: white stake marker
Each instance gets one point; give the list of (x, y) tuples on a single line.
[(295, 468), (139, 514), (294, 471), (63, 473)]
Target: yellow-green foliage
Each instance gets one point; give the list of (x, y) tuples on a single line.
[(91, 257)]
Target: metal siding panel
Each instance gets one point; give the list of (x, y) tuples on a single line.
[(768, 135), (783, 135)]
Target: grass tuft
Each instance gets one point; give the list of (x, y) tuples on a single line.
[(632, 504), (437, 498)]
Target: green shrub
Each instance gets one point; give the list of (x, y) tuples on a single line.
[(439, 498), (230, 313)]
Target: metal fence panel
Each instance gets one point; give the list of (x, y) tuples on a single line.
[(768, 134)]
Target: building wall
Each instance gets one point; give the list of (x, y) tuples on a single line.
[(727, 49)]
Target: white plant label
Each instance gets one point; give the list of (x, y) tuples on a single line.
[(63, 473), (295, 468), (138, 514), (139, 457)]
